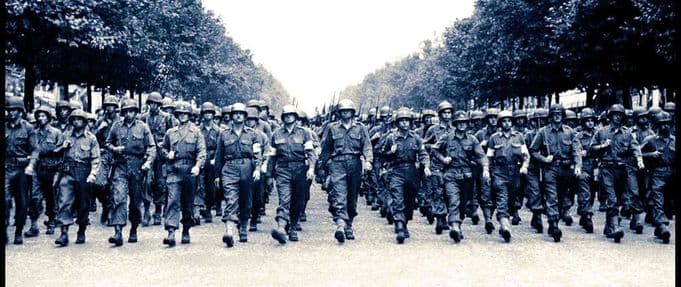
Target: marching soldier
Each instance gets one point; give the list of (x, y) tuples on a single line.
[(184, 149), (304, 122), (77, 174), (516, 200), (557, 147), (134, 149), (506, 149), (168, 106), (155, 190), (102, 186), (376, 195), (434, 184), (660, 150), (292, 148), (238, 156), (535, 186), (204, 199), (64, 109), (614, 143), (258, 185), (45, 162), (17, 157), (586, 182), (642, 130), (459, 153), (403, 149), (346, 149), (483, 187)]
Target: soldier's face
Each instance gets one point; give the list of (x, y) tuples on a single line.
[(183, 117), (43, 119), (13, 114), (616, 118), (208, 116), (428, 120), (664, 128), (78, 122), (153, 107), (520, 121), (492, 121), (169, 110), (109, 110), (130, 115), (403, 124), (556, 117), (461, 126), (347, 114), (251, 122), (475, 123), (289, 118), (446, 115), (64, 113), (643, 121), (238, 117), (506, 123), (589, 123)]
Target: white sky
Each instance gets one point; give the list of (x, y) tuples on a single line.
[(316, 48)]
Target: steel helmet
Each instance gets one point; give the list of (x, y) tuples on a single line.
[(14, 103), (403, 113), (110, 100), (384, 111), (587, 113), (182, 107), (226, 110), (428, 112), (556, 108), (654, 111), (477, 115), (43, 109), (263, 105), (669, 107), (616, 108), (570, 115), (303, 115), (663, 117), (76, 105), (372, 112), (346, 104), (196, 111), (239, 108), (444, 105), (640, 112), (629, 113), (167, 103), (155, 97), (251, 113), (129, 103), (253, 103), (460, 116), (520, 114), (208, 107), (63, 104), (218, 112), (91, 117), (78, 113), (541, 113), (504, 114), (493, 112)]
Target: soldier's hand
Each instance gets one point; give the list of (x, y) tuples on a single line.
[(263, 167), (102, 126), (91, 178), (640, 164), (578, 171), (447, 160), (606, 143), (549, 159), (310, 174), (119, 149), (656, 154), (66, 144), (583, 153), (195, 170), (427, 172), (483, 143), (256, 174), (212, 162), (29, 170), (171, 155), (217, 183), (367, 166), (523, 170), (393, 148), (485, 175), (146, 166)]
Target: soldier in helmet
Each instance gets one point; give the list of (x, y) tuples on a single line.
[(476, 118), (45, 162), (101, 189), (168, 106), (134, 149), (434, 186), (258, 185), (586, 181), (264, 127), (64, 109), (347, 151), (204, 199), (18, 151), (571, 119), (184, 148), (670, 108), (78, 171), (520, 121), (226, 116), (217, 119), (614, 143), (304, 122), (195, 116), (402, 150), (660, 151), (238, 158), (629, 114), (520, 125), (557, 147), (293, 155), (155, 189), (508, 159), (376, 195), (642, 130), (459, 153), (535, 186), (483, 187)]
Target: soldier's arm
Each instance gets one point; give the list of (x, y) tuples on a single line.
[(94, 156), (439, 149), (151, 144), (535, 147), (577, 150), (326, 147), (635, 148), (257, 151), (424, 159), (35, 154), (309, 147), (478, 154), (165, 146), (366, 146), (111, 137), (219, 151), (202, 152)]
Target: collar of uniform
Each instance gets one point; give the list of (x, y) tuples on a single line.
[(293, 128), (615, 130), (208, 127), (399, 135), (558, 129), (132, 123), (463, 135), (353, 123), (13, 125), (76, 134), (510, 134), (444, 126)]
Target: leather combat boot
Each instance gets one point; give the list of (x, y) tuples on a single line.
[(455, 232), (279, 233), (505, 229), (34, 230), (185, 235), (635, 223), (536, 222), (340, 231), (399, 226), (117, 238), (243, 231), (170, 239), (489, 226), (80, 236), (228, 238), (132, 237), (554, 231), (63, 239)]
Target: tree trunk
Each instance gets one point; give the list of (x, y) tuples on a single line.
[(64, 92), (89, 98), (29, 86), (556, 96), (626, 97), (521, 102), (589, 96)]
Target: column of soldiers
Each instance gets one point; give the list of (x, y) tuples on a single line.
[(187, 161)]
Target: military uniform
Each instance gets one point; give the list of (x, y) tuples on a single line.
[(206, 189), (586, 182), (434, 184), (17, 156), (188, 145)]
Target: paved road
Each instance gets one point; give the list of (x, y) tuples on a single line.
[(374, 259)]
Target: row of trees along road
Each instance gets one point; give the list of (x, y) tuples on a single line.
[(523, 53), (175, 47)]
